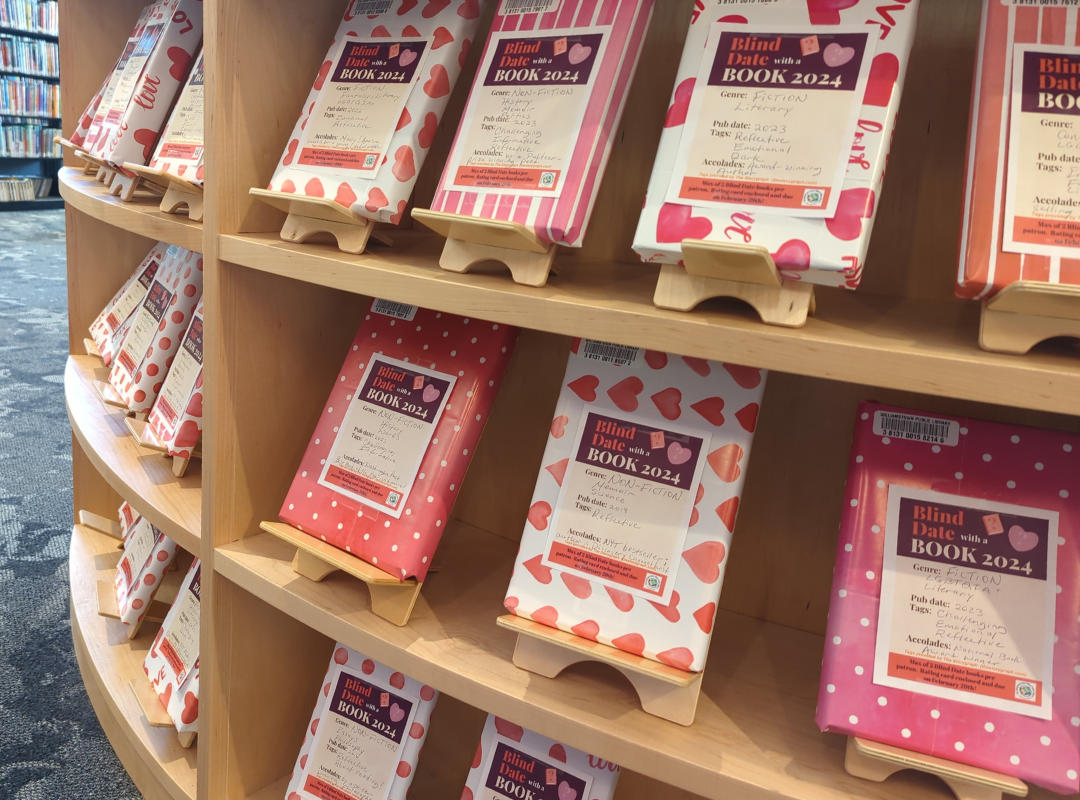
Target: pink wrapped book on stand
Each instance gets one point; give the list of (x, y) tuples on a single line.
[(426, 380), (177, 414), (147, 554), (573, 60), (88, 130), (631, 521), (172, 665), (953, 625), (127, 300), (180, 149)]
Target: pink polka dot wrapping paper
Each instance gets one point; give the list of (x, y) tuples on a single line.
[(356, 685), (549, 769), (475, 353), (158, 325), (449, 28), (563, 219), (178, 689), (824, 251), (661, 390), (86, 134), (996, 463), (125, 301), (180, 149), (137, 584), (177, 414)]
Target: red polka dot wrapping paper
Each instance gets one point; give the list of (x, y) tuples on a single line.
[(825, 251), (449, 26), (94, 116), (476, 353), (660, 389), (565, 219), (176, 290), (553, 770), (133, 135), (78, 136), (374, 678), (180, 699), (180, 149), (108, 322), (129, 517), (137, 584), (179, 428), (1007, 464)]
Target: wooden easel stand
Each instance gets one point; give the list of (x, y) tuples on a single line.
[(145, 436), (1028, 312), (309, 216)]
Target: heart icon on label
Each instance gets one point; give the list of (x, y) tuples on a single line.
[(677, 454), (837, 56), (396, 713), (1022, 540), (578, 53), (431, 394), (409, 56), (565, 792)]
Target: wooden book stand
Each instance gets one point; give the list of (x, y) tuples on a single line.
[(109, 527), (107, 606), (154, 711), (146, 437), (664, 691), (178, 192), (311, 215), (125, 183), (105, 173), (471, 241), (1028, 312), (109, 396), (91, 348), (76, 150), (876, 762), (746, 272), (391, 598)]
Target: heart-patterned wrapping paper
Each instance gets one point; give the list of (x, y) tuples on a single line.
[(78, 136), (822, 251), (551, 770), (565, 219), (477, 353), (347, 663), (985, 267), (1007, 464), (449, 28), (126, 301), (137, 583), (664, 390), (180, 427), (180, 698), (180, 149)]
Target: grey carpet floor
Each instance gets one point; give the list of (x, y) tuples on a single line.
[(51, 746)]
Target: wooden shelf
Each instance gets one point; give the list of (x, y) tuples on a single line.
[(108, 661), (754, 736), (890, 342), (142, 477), (140, 216)]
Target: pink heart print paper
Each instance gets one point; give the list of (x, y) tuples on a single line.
[(1044, 246), (147, 554), (512, 762), (394, 64), (126, 301), (177, 414), (378, 718), (180, 149), (157, 328), (953, 626), (586, 84), (172, 664), (430, 379), (819, 235), (658, 448)]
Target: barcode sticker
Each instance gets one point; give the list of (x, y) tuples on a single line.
[(930, 430), (395, 310), (617, 354), (529, 6), (370, 7)]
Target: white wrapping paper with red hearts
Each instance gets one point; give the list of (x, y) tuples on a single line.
[(93, 126), (512, 762), (147, 554), (115, 342), (180, 149), (630, 525), (172, 664), (159, 324), (128, 299), (390, 506), (556, 199), (377, 718), (177, 414), (983, 587), (129, 518), (414, 51), (823, 251), (78, 136)]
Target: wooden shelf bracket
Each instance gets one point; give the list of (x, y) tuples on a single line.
[(746, 272), (664, 691), (311, 215), (178, 193), (1028, 312)]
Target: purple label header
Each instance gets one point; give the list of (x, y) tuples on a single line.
[(403, 390), (1051, 83), (378, 62), (380, 711), (544, 60), (653, 454), (157, 300), (789, 60)]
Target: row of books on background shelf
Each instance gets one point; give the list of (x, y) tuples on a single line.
[(30, 55), (19, 95), (22, 139), (31, 15), (14, 187)]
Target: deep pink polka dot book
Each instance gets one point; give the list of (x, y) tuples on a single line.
[(365, 735), (953, 626), (390, 451)]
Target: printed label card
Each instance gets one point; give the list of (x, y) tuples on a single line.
[(147, 554), (180, 149), (635, 505), (953, 624), (172, 665), (772, 117), (129, 298), (366, 733), (176, 417), (512, 763)]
